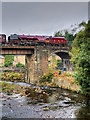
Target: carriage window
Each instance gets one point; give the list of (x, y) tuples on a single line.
[(0, 37)]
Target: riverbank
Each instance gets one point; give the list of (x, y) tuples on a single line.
[(53, 79), (11, 89), (13, 76), (64, 80), (38, 93), (35, 92)]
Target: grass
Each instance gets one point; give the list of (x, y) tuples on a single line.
[(11, 88)]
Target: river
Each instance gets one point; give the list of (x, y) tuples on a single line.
[(59, 104)]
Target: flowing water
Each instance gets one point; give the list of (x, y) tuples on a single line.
[(54, 103)]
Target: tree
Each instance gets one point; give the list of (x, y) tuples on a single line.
[(81, 58), (83, 23), (70, 36), (59, 34), (8, 60), (20, 65)]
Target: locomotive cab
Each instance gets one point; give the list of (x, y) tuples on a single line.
[(13, 39)]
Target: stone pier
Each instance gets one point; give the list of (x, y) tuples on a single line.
[(36, 65)]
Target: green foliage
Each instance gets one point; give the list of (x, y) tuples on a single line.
[(8, 60), (46, 78), (82, 24), (57, 86), (59, 63), (69, 36), (58, 34), (53, 63), (20, 65), (69, 74), (12, 77), (4, 84), (60, 71), (6, 88), (81, 58)]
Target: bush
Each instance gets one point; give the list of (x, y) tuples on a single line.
[(60, 71), (81, 59), (12, 76), (20, 65), (8, 60), (46, 78), (57, 86), (4, 84)]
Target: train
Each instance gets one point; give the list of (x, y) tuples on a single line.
[(32, 40), (2, 38)]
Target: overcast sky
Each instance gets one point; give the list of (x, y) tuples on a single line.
[(41, 18)]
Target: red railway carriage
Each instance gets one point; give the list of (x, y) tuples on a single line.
[(56, 40), (2, 38)]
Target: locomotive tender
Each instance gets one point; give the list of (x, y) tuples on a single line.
[(30, 40)]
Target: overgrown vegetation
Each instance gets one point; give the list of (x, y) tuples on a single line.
[(46, 78), (58, 79), (81, 58), (8, 60), (6, 88), (14, 77), (60, 71), (12, 88), (59, 63), (20, 65)]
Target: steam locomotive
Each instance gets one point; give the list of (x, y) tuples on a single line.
[(31, 40)]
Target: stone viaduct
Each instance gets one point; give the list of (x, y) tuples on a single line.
[(37, 59)]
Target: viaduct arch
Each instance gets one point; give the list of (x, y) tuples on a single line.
[(37, 63), (37, 59)]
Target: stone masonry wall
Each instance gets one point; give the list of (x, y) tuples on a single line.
[(19, 59), (36, 65)]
